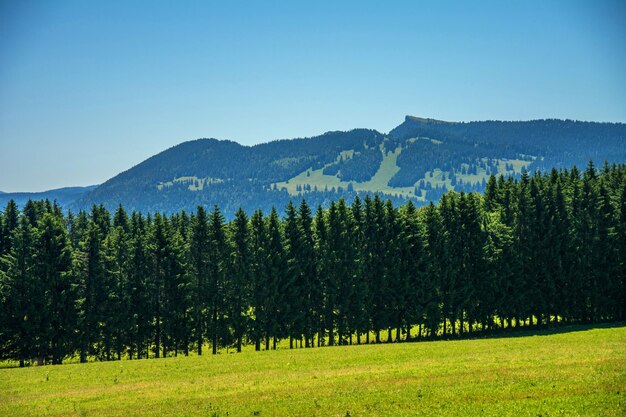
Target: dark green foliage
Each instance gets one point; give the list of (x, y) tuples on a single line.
[(360, 168), (544, 249), (10, 220), (560, 142), (21, 297), (261, 296), (138, 297), (217, 272), (374, 264), (54, 281), (93, 292), (423, 155), (277, 283), (199, 270), (239, 284)]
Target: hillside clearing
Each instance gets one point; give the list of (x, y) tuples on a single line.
[(580, 371), (317, 180)]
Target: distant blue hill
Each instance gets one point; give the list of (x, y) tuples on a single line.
[(64, 196)]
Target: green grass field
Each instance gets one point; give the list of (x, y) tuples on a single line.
[(578, 371), (387, 169)]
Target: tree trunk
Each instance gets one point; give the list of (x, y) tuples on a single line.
[(200, 341), (157, 339), (214, 330)]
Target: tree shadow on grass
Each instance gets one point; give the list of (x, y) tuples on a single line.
[(526, 331)]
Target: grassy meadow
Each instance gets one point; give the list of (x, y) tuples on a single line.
[(573, 371), (387, 169)]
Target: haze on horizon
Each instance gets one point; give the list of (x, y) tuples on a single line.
[(90, 89)]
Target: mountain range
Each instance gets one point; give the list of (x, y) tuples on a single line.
[(65, 196), (419, 160)]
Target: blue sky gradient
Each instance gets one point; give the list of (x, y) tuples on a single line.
[(91, 88)]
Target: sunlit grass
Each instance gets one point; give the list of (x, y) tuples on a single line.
[(578, 372), (378, 183), (319, 181)]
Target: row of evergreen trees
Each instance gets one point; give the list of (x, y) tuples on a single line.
[(544, 249)]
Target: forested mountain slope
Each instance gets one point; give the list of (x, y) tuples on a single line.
[(418, 160)]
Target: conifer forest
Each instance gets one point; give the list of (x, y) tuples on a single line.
[(542, 250)]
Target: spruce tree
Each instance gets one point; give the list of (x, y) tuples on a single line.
[(358, 318), (322, 271), (432, 286), (217, 270), (199, 271), (10, 220), (92, 277), (53, 272), (277, 266), (239, 283), (412, 264), (21, 297), (261, 291), (309, 278), (117, 248), (138, 289), (346, 268), (374, 264), (294, 286)]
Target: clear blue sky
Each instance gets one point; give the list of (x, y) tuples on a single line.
[(91, 88)]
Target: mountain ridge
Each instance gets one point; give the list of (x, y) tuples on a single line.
[(64, 195), (420, 159)]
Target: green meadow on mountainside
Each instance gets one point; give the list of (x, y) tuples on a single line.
[(577, 371)]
